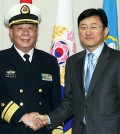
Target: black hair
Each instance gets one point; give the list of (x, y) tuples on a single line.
[(94, 12)]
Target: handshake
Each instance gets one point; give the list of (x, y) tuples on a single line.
[(34, 120)]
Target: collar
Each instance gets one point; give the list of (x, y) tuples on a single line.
[(96, 52), (22, 54)]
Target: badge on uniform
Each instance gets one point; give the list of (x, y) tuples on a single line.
[(46, 77), (2, 104), (10, 74)]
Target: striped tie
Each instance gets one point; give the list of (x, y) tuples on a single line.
[(89, 72)]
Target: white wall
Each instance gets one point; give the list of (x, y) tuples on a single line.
[(48, 10)]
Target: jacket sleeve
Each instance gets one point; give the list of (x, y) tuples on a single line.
[(55, 91), (64, 110), (9, 110)]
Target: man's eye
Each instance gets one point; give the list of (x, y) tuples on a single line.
[(19, 28), (93, 27), (83, 28), (30, 28)]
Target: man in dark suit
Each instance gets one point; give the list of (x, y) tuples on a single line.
[(29, 78), (95, 109)]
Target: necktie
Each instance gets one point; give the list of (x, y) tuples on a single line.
[(27, 56), (89, 72)]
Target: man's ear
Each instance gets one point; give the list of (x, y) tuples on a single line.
[(11, 33), (106, 31)]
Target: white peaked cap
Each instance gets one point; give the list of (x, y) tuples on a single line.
[(22, 13)]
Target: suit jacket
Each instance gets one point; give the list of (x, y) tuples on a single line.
[(101, 106), (24, 89)]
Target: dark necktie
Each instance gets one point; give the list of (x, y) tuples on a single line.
[(89, 72), (27, 56)]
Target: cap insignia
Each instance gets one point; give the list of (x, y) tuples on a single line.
[(25, 9)]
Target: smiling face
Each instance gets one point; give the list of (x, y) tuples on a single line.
[(92, 32), (24, 36)]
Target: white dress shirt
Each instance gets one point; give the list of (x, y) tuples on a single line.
[(22, 54)]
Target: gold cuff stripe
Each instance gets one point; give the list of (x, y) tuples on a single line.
[(6, 108), (10, 112), (23, 20)]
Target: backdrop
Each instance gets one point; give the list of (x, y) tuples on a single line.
[(48, 10)]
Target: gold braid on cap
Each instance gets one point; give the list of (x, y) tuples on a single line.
[(24, 21)]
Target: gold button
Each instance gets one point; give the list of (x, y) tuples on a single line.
[(21, 103), (21, 90), (40, 103), (40, 90)]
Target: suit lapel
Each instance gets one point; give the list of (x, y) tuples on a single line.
[(80, 71), (16, 61), (100, 67)]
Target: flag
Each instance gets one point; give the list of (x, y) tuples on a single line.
[(63, 44), (26, 1), (110, 7)]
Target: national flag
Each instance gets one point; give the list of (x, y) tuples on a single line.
[(63, 44), (110, 7), (26, 1)]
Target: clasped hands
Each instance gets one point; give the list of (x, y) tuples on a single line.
[(35, 120)]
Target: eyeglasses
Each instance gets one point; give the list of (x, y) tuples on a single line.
[(92, 28)]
